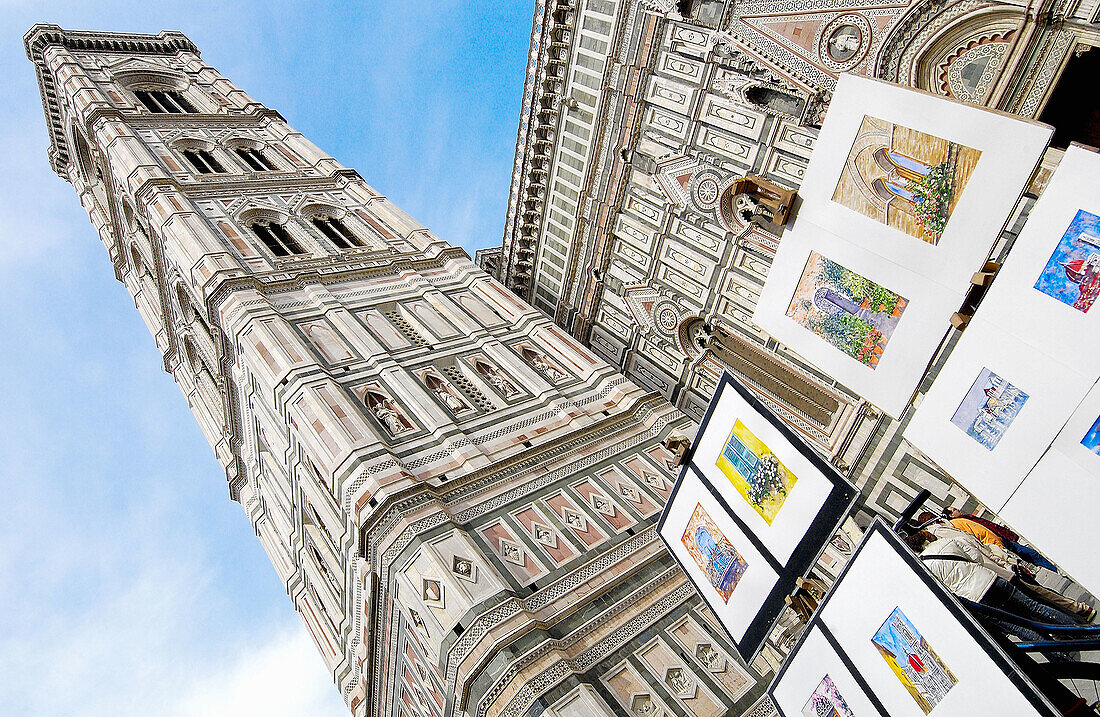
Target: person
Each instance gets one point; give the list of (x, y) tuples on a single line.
[(993, 551), (1009, 539), (956, 560)]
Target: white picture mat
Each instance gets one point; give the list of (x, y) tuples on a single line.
[(878, 580), (1068, 441), (803, 503), (1011, 148), (1013, 303), (1054, 390), (759, 578), (1055, 508), (803, 673), (924, 322)]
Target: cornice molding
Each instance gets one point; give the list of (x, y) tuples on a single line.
[(43, 35)]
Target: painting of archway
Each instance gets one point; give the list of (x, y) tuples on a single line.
[(905, 179)]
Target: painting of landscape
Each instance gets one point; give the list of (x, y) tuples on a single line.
[(1072, 274), (848, 310), (906, 179)]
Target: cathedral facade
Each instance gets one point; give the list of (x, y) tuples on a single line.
[(458, 495), (641, 117)]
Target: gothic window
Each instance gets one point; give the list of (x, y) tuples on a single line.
[(276, 238), (327, 343), (139, 264), (164, 101), (255, 159), (203, 161), (337, 232)]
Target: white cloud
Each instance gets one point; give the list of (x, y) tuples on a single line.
[(283, 677)]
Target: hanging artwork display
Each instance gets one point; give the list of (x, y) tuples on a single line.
[(1046, 291), (713, 553), (1064, 484), (1072, 274), (994, 408), (755, 472), (888, 640), (752, 510), (922, 181), (908, 180), (871, 324)]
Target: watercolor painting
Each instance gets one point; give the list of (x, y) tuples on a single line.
[(713, 553), (906, 179), (1092, 438), (755, 472), (988, 408), (826, 701), (848, 310), (1072, 274), (913, 661)]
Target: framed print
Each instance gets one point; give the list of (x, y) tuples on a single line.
[(921, 180), (895, 643), (752, 510), (871, 324), (775, 485), (993, 410), (731, 575)]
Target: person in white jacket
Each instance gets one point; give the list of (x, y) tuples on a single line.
[(1000, 561), (960, 564)]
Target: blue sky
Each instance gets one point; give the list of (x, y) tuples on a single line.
[(129, 583)]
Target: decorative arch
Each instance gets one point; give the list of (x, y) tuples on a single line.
[(193, 143), (150, 77)]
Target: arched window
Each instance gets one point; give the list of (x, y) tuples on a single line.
[(276, 238), (203, 161), (337, 232), (164, 101), (139, 264), (255, 159)]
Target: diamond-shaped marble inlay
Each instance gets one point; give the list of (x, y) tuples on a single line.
[(574, 519), (464, 568), (544, 534), (431, 590), (511, 552), (678, 681), (602, 504), (712, 659)]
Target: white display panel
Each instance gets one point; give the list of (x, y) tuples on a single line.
[(1053, 390), (1009, 147), (804, 672), (804, 500), (946, 664), (1033, 296), (1055, 506), (740, 608), (877, 582), (916, 333)]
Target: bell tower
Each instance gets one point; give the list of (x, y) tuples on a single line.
[(459, 498)]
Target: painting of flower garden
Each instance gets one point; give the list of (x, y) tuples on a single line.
[(906, 179), (848, 310), (755, 472)]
